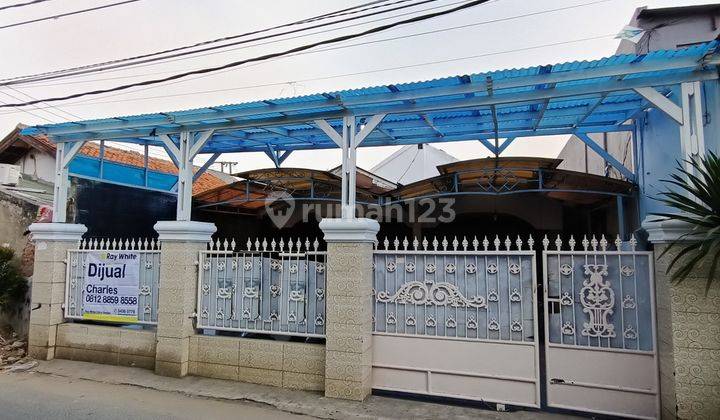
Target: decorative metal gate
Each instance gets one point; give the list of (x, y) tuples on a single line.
[(600, 328), (273, 287), (457, 319)]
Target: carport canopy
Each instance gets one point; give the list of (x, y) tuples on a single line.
[(579, 98)]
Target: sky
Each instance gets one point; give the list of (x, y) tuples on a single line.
[(496, 35)]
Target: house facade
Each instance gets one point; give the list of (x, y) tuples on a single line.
[(579, 316)]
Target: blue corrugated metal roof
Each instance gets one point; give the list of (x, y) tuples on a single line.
[(592, 96)]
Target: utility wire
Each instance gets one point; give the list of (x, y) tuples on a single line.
[(34, 83), (76, 12), (541, 12), (258, 58), (29, 3), (335, 76), (146, 58)]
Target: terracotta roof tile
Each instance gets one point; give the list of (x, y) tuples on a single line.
[(207, 181)]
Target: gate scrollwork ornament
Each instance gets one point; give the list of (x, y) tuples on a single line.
[(514, 269), (565, 269), (430, 268), (471, 323), (629, 302), (597, 299), (493, 325), (568, 329), (627, 271), (493, 296), (391, 266), (630, 333), (434, 294)]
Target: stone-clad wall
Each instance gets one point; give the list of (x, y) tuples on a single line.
[(106, 344), (688, 342), (266, 362)]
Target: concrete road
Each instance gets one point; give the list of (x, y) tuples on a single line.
[(39, 396)]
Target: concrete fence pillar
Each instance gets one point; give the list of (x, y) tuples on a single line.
[(348, 349), (688, 341), (180, 242), (52, 241)]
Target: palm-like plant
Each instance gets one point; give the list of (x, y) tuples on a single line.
[(695, 194)]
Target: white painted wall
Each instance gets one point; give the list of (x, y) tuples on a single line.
[(36, 165)]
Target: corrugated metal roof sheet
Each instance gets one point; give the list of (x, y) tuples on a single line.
[(453, 108)]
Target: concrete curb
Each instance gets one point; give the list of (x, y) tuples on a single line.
[(290, 401)]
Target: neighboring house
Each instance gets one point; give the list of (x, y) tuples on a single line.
[(100, 187), (412, 163), (665, 29)]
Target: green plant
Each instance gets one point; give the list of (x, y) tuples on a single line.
[(696, 198), (13, 286)]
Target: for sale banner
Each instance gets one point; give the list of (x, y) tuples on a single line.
[(111, 286)]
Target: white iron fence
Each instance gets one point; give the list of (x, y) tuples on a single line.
[(272, 287), (461, 289), (148, 253)]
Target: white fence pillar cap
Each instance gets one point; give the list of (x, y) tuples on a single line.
[(184, 231), (65, 232), (663, 231), (350, 230)]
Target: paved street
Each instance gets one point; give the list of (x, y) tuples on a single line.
[(69, 389), (39, 396)]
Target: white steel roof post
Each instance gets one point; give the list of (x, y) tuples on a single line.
[(349, 168), (185, 178), (64, 153), (348, 348)]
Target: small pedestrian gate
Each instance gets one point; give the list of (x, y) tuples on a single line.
[(600, 329), (457, 320)]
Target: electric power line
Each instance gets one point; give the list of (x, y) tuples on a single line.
[(34, 83), (335, 76), (146, 58), (258, 58), (340, 47), (58, 16), (29, 3)]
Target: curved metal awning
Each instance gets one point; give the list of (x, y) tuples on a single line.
[(566, 98)]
